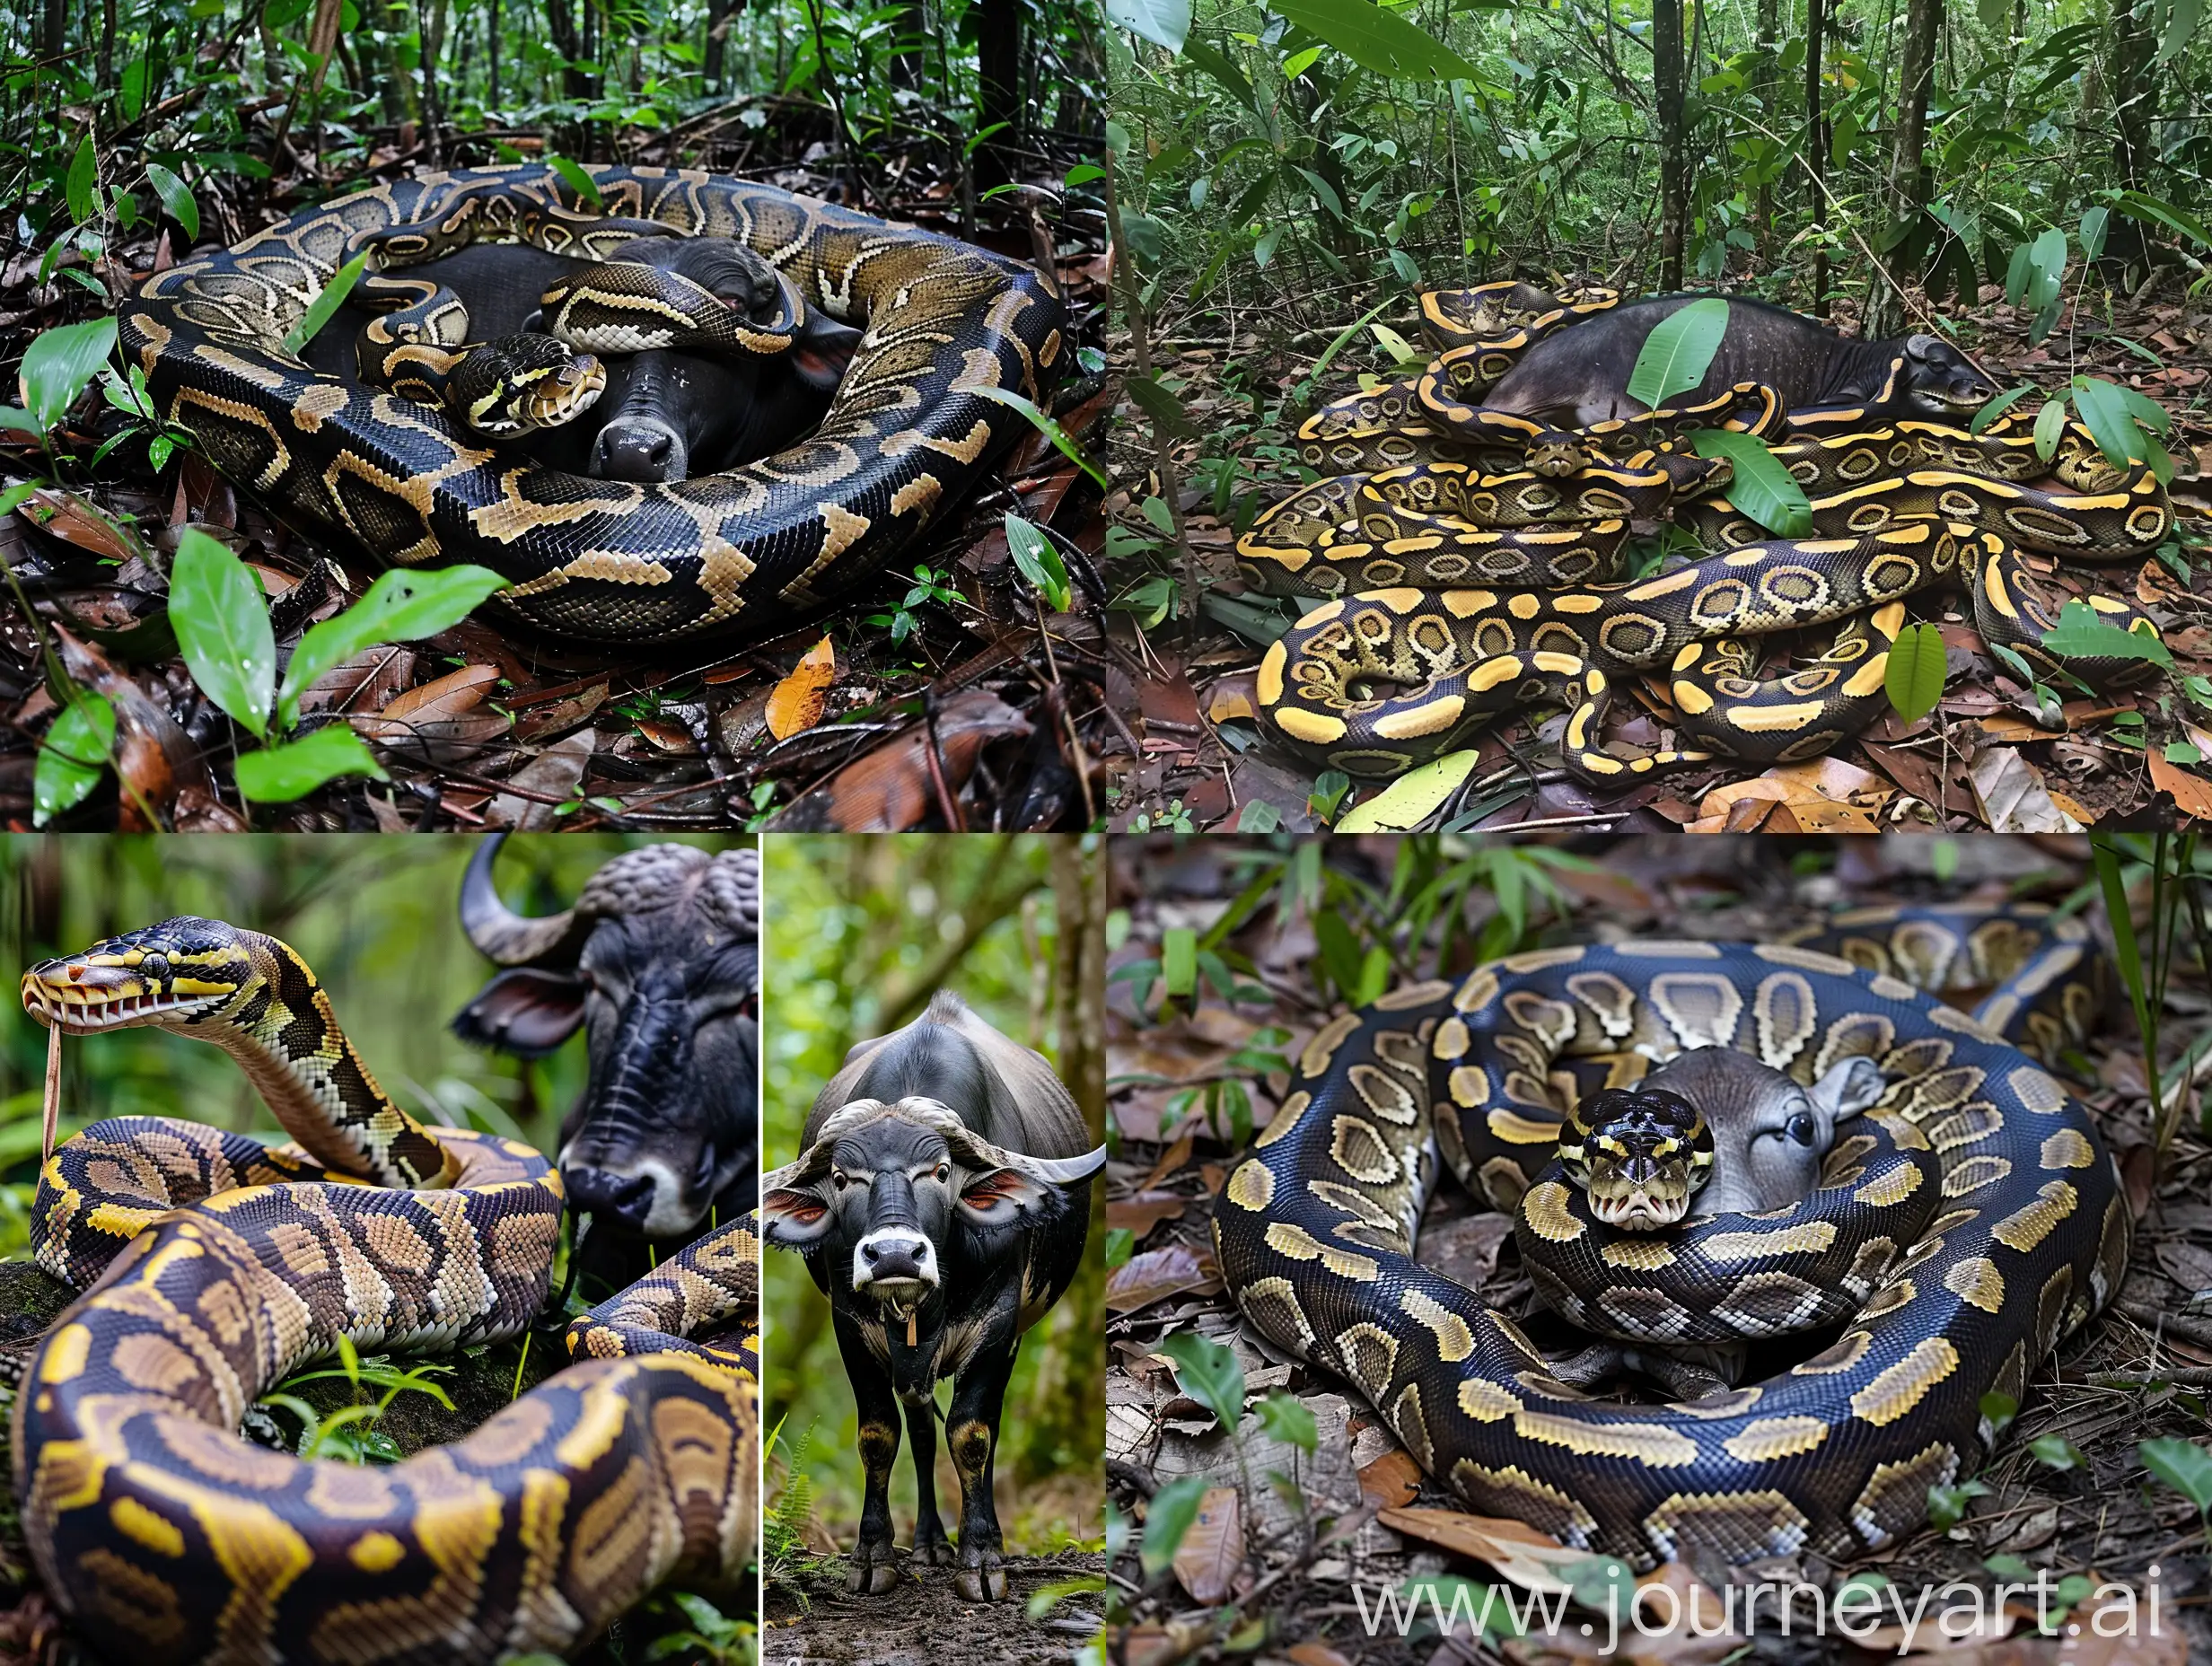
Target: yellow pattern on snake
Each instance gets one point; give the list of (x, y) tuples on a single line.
[(1987, 1214), (947, 326), (227, 1264)]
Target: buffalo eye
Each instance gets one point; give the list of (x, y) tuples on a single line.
[(838, 1180), (944, 1170), (1801, 1127)]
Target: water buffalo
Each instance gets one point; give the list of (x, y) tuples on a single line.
[(659, 960), (940, 1198)]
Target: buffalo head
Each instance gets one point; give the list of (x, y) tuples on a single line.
[(658, 961)]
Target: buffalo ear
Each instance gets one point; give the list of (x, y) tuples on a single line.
[(525, 1011), (792, 1217), (1002, 1197)]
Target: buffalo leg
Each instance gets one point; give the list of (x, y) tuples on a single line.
[(930, 1544), (874, 1567), (971, 1432)]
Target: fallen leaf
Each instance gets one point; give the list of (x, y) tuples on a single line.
[(1392, 1479), (443, 720), (554, 773), (1528, 1558), (1212, 1552), (1173, 1158), (1157, 1274), (367, 681), (1314, 1654), (2013, 797), (71, 519), (1411, 799), (797, 701), (2192, 793), (1139, 1214), (890, 789), (1234, 696)]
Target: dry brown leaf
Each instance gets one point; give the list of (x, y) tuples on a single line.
[(71, 519), (1234, 696), (443, 720), (1212, 1552), (2192, 793), (554, 773), (1515, 1550), (1808, 791), (797, 701), (1139, 1214), (1173, 1158), (1392, 1479), (1156, 1273), (890, 789), (366, 681), (1314, 1654), (2012, 795)]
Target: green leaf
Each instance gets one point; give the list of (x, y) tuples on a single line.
[(1915, 679), (1163, 407), (61, 363), (2183, 1465), (1678, 352), (1209, 1373), (2081, 634), (2048, 256), (1164, 23), (2056, 1452), (1220, 66), (1286, 1417), (1178, 961), (1998, 1410), (1082, 173), (75, 751), (2138, 205), (1946, 1505), (83, 187), (2095, 220), (2050, 424), (2105, 413), (320, 309), (1762, 488), (1411, 799), (1038, 561), (176, 198), (297, 768), (1998, 406), (1046, 426), (579, 181), (217, 609), (1167, 1517), (1376, 40), (404, 605), (2181, 25)]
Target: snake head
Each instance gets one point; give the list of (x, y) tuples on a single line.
[(179, 971), (1640, 1154)]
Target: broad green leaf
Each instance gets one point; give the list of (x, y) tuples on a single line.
[(1915, 679), (2050, 424), (75, 751), (2095, 220), (2138, 205), (1998, 1410), (1163, 407), (1287, 1419), (1403, 352), (324, 305), (1044, 424), (297, 767), (1209, 1373), (60, 363), (1678, 352), (217, 609), (2048, 256), (176, 198), (1998, 406), (1167, 1518), (2183, 1465), (2148, 411), (2105, 413), (1082, 173), (1761, 488), (2081, 634), (1038, 562), (83, 186), (2017, 273), (2181, 25), (1376, 40), (1178, 961), (1164, 23), (1411, 799), (404, 605), (579, 181), (1221, 67), (1946, 1505), (2055, 1452)]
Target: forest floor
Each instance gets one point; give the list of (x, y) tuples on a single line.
[(954, 697), (811, 1619), (1246, 379), (1285, 1571)]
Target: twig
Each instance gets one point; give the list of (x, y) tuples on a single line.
[(53, 1092)]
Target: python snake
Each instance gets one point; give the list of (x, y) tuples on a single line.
[(216, 1266), (1988, 1214), (913, 424)]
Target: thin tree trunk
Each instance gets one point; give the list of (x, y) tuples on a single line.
[(1816, 148), (1908, 184), (998, 66), (2135, 101), (1666, 51), (1768, 89), (53, 36), (719, 13), (491, 47), (107, 48)]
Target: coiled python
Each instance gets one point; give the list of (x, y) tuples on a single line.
[(1991, 1219), (216, 1266), (911, 428)]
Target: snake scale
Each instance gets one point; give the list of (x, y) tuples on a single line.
[(216, 1266), (1988, 1216), (1469, 562), (946, 327)]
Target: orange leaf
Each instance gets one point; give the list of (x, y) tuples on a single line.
[(797, 701), (1392, 1479), (1207, 1561), (1514, 1548), (2191, 793)]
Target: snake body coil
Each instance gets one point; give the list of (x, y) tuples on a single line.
[(227, 1264), (946, 325), (1992, 1218)]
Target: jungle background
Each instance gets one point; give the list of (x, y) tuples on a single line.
[(2025, 176), (377, 918), (1258, 1508), (131, 134), (858, 935)]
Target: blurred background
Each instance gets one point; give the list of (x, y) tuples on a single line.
[(858, 934), (378, 919)]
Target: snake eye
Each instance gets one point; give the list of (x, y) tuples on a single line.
[(1801, 1127), (155, 968)]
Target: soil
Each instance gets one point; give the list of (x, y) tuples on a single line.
[(925, 1621)]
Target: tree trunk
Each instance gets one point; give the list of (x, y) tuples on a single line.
[(999, 67), (1769, 88), (719, 16), (1816, 148), (491, 49), (2134, 102), (1909, 187), (1666, 50), (54, 37)]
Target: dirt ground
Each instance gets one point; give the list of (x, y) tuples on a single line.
[(925, 1621), (1287, 1578)]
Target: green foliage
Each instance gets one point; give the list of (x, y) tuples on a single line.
[(61, 363), (1914, 678), (1676, 354), (75, 750), (222, 628), (1760, 487), (1038, 561), (328, 300), (1209, 1373), (2185, 1466)]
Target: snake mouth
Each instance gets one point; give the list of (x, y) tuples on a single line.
[(83, 997), (1639, 1207)]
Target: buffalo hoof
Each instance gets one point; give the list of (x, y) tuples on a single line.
[(871, 1579), (937, 1552), (981, 1584)]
